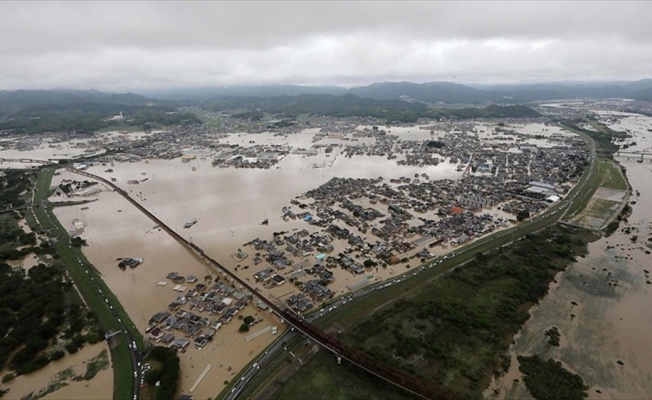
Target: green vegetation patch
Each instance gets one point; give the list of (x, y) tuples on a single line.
[(456, 330), (167, 373), (612, 176), (323, 379), (548, 380), (94, 366), (604, 138), (40, 312)]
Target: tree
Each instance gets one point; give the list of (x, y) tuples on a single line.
[(244, 328), (248, 319), (522, 215)]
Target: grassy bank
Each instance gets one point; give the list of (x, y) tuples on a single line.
[(612, 176), (73, 258), (321, 378)]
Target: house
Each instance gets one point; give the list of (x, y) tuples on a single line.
[(200, 342), (484, 168), (156, 334), (463, 238), (170, 321), (167, 338), (159, 317), (181, 343)]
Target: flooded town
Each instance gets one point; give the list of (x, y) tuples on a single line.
[(325, 200), (305, 216)]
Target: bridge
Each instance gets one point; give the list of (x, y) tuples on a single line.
[(27, 160), (407, 382), (631, 154)]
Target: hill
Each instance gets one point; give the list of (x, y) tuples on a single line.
[(33, 111)]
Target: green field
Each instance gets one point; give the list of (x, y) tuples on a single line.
[(121, 360), (611, 175), (321, 378)]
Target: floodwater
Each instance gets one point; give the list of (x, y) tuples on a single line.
[(229, 205), (97, 388), (114, 228), (601, 302)]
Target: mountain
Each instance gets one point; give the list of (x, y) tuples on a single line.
[(33, 111), (431, 92), (40, 100), (209, 93), (447, 92), (643, 95)]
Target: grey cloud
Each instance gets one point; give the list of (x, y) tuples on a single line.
[(126, 45)]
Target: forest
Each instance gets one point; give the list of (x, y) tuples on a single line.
[(41, 315)]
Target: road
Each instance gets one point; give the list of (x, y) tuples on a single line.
[(135, 355)]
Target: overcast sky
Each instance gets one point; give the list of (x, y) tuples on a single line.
[(131, 45)]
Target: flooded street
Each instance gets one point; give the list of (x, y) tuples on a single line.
[(58, 378)]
